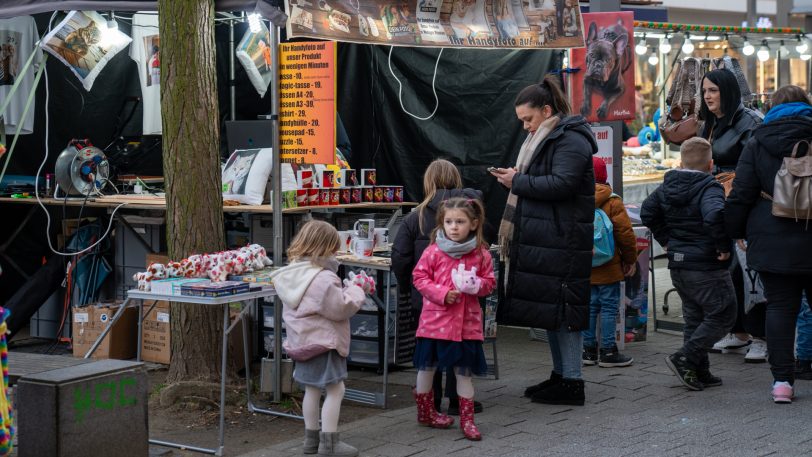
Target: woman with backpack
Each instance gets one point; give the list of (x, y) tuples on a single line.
[(546, 234), (777, 246)]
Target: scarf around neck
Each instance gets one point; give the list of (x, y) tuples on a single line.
[(452, 248), (526, 156)]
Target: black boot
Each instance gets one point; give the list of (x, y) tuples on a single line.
[(554, 379), (566, 392), (803, 369)]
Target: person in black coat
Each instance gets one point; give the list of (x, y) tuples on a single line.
[(546, 234), (777, 247), (441, 181)]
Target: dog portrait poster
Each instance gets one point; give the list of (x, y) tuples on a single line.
[(603, 90)]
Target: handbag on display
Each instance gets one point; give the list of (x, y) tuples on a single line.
[(682, 121)]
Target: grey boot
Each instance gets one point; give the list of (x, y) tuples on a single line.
[(330, 444), (311, 442)]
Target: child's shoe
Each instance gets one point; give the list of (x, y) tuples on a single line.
[(783, 392), (311, 442), (686, 373), (610, 357), (757, 352), (330, 444), (426, 414), (454, 407), (555, 378), (566, 392), (590, 355), (469, 428)]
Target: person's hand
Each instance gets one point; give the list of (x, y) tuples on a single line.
[(504, 176), (742, 245), (723, 256), (452, 296), (629, 270)]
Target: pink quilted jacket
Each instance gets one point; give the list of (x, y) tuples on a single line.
[(461, 320)]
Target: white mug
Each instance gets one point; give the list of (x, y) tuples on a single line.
[(344, 237), (365, 228), (381, 236), (361, 248)]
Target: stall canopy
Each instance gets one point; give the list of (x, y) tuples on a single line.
[(13, 8)]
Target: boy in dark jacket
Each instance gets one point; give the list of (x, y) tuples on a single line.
[(686, 216)]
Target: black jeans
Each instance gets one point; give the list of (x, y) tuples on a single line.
[(709, 309), (783, 303)]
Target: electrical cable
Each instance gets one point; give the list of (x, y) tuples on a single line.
[(433, 88)]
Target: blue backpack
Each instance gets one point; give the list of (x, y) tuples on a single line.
[(603, 240)]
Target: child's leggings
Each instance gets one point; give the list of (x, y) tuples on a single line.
[(465, 385), (334, 393)]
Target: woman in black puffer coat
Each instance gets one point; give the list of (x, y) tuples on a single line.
[(546, 233), (777, 247)]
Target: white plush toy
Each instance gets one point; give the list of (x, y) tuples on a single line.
[(361, 280), (466, 281)]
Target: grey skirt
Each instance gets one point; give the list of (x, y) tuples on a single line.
[(322, 370)]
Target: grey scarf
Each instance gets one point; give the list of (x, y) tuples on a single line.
[(452, 248)]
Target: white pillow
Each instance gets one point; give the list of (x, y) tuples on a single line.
[(83, 42), (255, 56), (245, 175)]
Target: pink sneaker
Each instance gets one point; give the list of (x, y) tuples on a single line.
[(782, 392)]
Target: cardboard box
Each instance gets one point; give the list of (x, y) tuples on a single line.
[(89, 323), (161, 257), (156, 341)]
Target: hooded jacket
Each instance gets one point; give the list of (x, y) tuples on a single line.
[(316, 309), (410, 241), (551, 254), (625, 240), (730, 136), (686, 216), (774, 244), (461, 320)]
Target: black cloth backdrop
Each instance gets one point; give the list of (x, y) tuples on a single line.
[(475, 125), (14, 8)]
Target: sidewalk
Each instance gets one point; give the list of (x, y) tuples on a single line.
[(639, 410)]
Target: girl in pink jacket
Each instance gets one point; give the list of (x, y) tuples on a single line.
[(452, 272), (317, 311)]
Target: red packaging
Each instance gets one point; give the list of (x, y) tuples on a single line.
[(345, 196), (301, 197), (305, 178), (334, 194), (324, 197), (312, 197), (367, 194), (398, 198), (377, 196), (355, 195)]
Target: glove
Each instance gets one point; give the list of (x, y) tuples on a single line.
[(466, 281), (361, 280)]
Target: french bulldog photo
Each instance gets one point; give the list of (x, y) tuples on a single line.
[(608, 57)]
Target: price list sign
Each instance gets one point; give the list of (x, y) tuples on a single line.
[(307, 102)]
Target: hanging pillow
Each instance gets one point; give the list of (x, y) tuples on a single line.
[(254, 53), (83, 42), (245, 175)]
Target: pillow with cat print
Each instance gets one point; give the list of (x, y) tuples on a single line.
[(83, 42), (245, 175)]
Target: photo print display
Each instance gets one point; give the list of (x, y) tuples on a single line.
[(245, 175), (254, 53), (83, 42)]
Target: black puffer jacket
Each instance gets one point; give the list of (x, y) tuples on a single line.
[(774, 244), (686, 215), (410, 241), (730, 137), (551, 251)]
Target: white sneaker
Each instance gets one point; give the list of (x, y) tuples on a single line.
[(757, 353), (731, 344)]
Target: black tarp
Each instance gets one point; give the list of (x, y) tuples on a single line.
[(475, 125)]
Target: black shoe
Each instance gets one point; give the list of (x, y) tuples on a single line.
[(707, 378), (610, 357), (565, 392), (590, 355), (554, 379), (454, 408), (686, 373), (803, 370)]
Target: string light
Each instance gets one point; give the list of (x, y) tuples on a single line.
[(641, 49), (748, 48), (783, 50), (805, 57), (763, 52), (665, 45), (687, 47), (802, 46), (653, 59)]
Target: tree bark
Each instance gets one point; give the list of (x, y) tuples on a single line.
[(194, 202)]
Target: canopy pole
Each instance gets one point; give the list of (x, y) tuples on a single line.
[(232, 84), (276, 204)]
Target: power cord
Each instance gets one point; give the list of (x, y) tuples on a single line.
[(433, 89)]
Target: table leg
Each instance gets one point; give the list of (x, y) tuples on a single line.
[(388, 277), (223, 381), (107, 330)]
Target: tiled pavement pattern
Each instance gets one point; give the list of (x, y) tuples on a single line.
[(636, 411)]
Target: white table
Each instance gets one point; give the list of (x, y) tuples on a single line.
[(141, 296)]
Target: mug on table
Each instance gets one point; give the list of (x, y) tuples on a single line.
[(365, 228)]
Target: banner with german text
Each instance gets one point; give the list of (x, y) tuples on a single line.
[(519, 24)]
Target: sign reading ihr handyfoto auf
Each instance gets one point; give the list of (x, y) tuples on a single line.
[(307, 102), (522, 24)]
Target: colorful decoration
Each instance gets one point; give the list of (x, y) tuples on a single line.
[(670, 26), (6, 413)]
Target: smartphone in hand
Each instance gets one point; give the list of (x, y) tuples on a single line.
[(491, 169)]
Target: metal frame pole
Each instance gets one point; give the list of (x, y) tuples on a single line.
[(276, 204)]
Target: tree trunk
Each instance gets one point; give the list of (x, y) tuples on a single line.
[(194, 202)]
